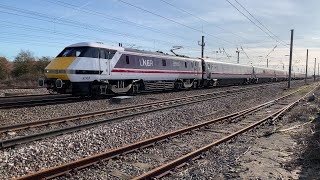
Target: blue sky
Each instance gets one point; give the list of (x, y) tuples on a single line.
[(45, 27)]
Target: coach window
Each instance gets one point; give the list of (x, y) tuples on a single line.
[(127, 60), (164, 62), (185, 64)]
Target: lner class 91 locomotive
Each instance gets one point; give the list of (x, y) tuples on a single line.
[(92, 69)]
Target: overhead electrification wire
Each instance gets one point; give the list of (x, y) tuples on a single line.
[(44, 17), (254, 22), (174, 21), (265, 30), (245, 53), (112, 18), (63, 21), (259, 22), (195, 16), (271, 51)]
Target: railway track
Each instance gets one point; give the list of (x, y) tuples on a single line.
[(35, 100), (19, 101), (37, 130), (22, 96), (235, 123)]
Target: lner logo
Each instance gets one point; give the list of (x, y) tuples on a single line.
[(144, 62)]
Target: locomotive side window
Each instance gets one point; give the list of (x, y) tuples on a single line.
[(103, 54), (111, 54), (127, 60), (185, 64), (164, 62)]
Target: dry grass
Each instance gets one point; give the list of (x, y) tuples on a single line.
[(19, 83), (307, 151)]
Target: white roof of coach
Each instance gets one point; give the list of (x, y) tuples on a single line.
[(220, 62), (98, 45)]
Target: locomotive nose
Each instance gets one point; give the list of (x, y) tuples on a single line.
[(58, 67)]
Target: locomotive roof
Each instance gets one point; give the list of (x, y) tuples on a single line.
[(145, 52), (101, 45), (160, 54), (220, 62), (94, 44)]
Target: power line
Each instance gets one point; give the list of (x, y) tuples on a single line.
[(52, 19), (195, 16), (276, 38), (253, 22), (113, 18), (245, 53), (259, 22), (44, 17), (174, 21), (271, 51)]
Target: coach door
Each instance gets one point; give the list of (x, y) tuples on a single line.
[(105, 63)]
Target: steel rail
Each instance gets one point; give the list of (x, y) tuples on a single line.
[(179, 162), (38, 136), (36, 102), (24, 96), (91, 160), (16, 127)]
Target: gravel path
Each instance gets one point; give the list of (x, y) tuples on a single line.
[(54, 151), (4, 92)]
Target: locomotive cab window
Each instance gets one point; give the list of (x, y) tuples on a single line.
[(90, 52), (164, 62), (185, 64), (72, 52), (127, 60)]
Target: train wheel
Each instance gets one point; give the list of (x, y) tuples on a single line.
[(211, 83), (133, 89), (177, 86)]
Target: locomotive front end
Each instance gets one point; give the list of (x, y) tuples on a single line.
[(56, 75)]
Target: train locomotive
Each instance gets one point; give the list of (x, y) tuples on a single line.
[(94, 69)]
